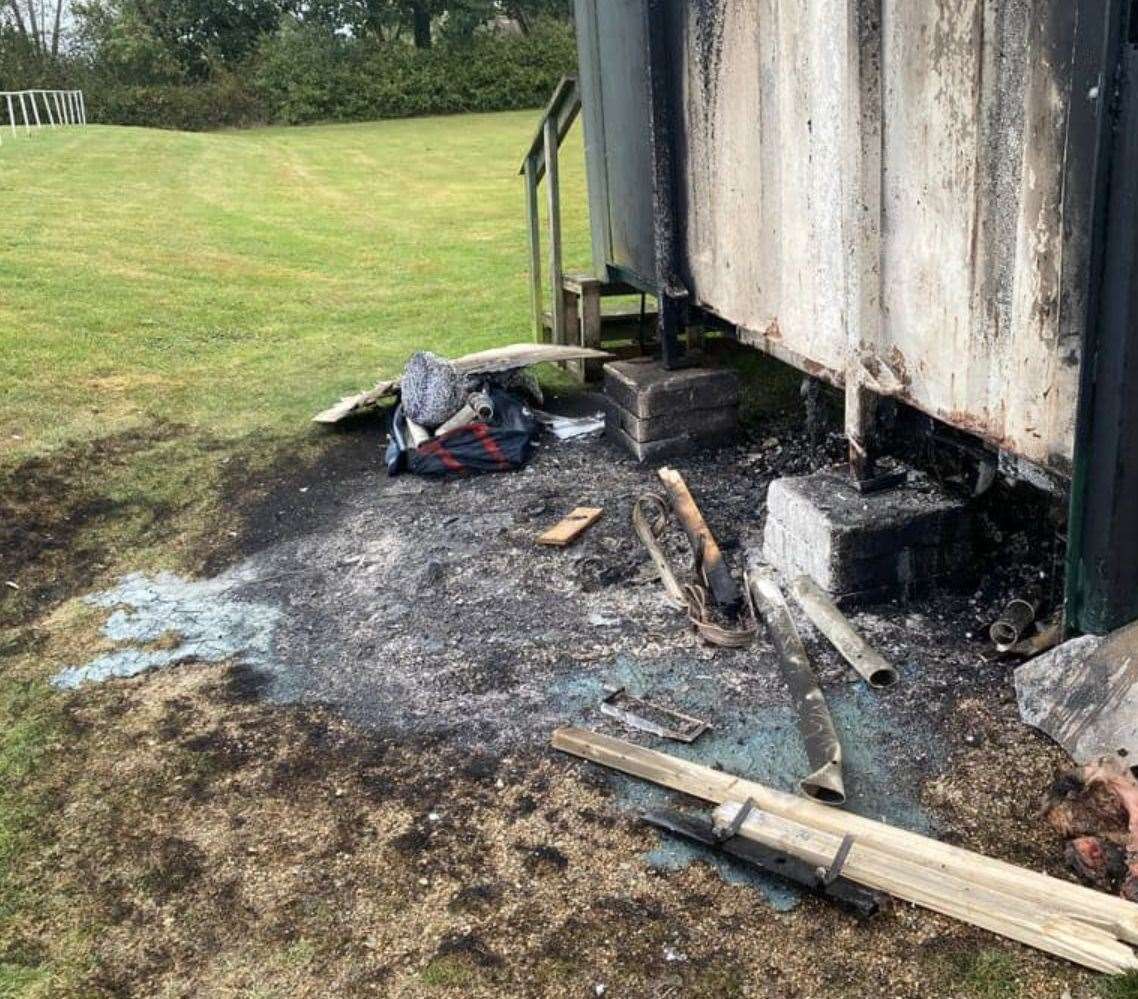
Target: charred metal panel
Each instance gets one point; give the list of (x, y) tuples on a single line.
[(878, 190), (976, 110), (613, 77), (763, 114)]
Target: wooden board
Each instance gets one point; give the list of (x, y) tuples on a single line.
[(924, 885), (1104, 911), (522, 355), (355, 403), (572, 527), (517, 355)]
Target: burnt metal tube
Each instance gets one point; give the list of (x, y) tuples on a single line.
[(823, 749), (482, 404), (865, 660), (1013, 623)]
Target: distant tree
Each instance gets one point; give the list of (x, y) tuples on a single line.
[(196, 34), (38, 22)]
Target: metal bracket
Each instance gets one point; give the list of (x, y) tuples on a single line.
[(731, 831), (880, 483), (828, 875), (633, 710)]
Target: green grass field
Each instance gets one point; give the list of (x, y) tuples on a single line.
[(240, 280), (173, 306)]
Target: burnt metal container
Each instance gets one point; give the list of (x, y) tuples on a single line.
[(932, 201)]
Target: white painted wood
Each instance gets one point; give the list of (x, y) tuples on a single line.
[(553, 191), (47, 106), (11, 114), (35, 108), (82, 109)]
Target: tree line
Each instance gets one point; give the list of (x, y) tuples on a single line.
[(209, 63)]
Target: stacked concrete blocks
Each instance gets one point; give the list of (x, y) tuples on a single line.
[(656, 413), (863, 548)]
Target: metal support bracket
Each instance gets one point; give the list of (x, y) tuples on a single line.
[(731, 831), (880, 483), (651, 718), (828, 875)]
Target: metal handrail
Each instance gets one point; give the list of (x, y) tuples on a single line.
[(62, 107)]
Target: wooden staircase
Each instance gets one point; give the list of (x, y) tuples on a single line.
[(575, 315)]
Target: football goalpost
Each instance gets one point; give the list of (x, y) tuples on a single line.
[(61, 108)]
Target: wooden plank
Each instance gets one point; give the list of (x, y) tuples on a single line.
[(865, 660), (708, 557), (572, 527), (517, 355), (355, 403), (533, 226), (522, 355), (1104, 911), (926, 886), (553, 193)]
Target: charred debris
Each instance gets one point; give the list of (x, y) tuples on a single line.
[(842, 538)]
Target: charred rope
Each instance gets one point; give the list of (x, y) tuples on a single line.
[(649, 519)]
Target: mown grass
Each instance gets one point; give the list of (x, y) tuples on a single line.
[(171, 303), (237, 281)]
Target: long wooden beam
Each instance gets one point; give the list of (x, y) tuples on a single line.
[(1115, 915), (927, 886)]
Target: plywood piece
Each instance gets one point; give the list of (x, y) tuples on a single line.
[(572, 527)]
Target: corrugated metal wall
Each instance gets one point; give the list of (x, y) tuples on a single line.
[(874, 189)]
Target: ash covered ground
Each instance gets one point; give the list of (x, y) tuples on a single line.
[(423, 609), (338, 741)]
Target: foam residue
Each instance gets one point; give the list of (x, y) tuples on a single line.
[(197, 621)]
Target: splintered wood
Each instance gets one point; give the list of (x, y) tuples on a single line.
[(1061, 918), (571, 528)]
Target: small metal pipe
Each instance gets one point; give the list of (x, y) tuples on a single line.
[(866, 661), (823, 749), (1013, 623)]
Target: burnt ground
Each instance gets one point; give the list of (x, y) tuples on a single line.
[(365, 803)]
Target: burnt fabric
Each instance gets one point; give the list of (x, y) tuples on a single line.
[(432, 391), (502, 444)]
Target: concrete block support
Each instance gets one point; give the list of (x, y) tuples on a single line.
[(657, 414), (864, 548)]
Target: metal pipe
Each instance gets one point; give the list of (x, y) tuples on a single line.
[(823, 749), (1012, 624), (672, 295), (866, 661)]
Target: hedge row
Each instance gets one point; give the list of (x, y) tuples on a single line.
[(303, 75)]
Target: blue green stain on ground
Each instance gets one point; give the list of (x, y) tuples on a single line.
[(759, 741)]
